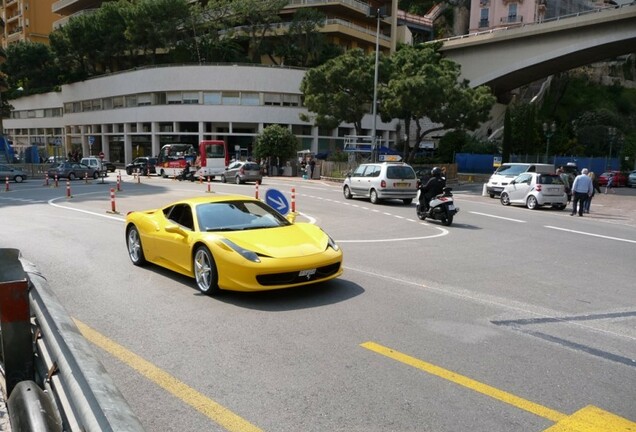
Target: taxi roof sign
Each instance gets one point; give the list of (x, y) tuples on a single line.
[(390, 158)]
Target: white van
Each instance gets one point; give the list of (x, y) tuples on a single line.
[(508, 171), (95, 163)]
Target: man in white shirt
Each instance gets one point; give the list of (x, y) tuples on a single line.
[(582, 189)]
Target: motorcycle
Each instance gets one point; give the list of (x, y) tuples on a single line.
[(442, 207), (189, 175)]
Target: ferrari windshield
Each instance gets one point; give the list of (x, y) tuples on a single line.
[(237, 216)]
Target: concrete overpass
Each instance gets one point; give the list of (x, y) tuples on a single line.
[(508, 58)]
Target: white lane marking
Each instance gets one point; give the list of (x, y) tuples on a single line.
[(441, 234), (590, 234), (311, 220), (52, 202), (497, 217), (487, 299)]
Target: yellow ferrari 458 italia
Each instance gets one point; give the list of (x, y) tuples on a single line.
[(232, 243)]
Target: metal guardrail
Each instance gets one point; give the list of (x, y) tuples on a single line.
[(65, 365)]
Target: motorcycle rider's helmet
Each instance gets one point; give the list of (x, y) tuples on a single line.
[(436, 172)]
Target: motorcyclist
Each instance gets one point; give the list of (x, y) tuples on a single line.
[(186, 171), (433, 187)]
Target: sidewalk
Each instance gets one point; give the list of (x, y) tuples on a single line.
[(619, 207)]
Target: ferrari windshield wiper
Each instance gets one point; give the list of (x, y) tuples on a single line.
[(223, 229)]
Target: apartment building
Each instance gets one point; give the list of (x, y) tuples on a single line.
[(27, 20)]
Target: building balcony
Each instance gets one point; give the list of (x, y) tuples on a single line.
[(512, 19), (68, 7), (484, 23), (360, 6)]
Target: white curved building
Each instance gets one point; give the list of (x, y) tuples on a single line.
[(134, 113)]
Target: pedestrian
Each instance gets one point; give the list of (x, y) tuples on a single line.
[(610, 183), (312, 166), (581, 190), (566, 181), (595, 188)]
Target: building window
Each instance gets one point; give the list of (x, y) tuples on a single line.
[(483, 18), (118, 102), (231, 98), (291, 100), (512, 12), (144, 99), (107, 103), (131, 101), (250, 99), (191, 98), (272, 99), (212, 98), (174, 98)]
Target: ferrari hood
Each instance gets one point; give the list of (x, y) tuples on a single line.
[(283, 242)]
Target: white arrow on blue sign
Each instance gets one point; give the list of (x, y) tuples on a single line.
[(91, 139), (275, 199)]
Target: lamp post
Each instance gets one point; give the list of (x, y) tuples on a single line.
[(611, 133), (548, 131), (378, 15)]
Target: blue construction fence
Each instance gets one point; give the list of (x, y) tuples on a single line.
[(484, 164)]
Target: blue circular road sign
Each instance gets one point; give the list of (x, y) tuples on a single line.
[(275, 199)]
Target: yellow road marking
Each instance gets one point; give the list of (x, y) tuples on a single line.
[(588, 419), (487, 390), (198, 401)]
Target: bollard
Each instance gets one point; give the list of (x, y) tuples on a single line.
[(113, 209), (86, 178), (56, 182), (19, 363), (256, 191), (138, 175), (293, 200), (68, 189), (7, 184), (118, 182), (209, 190), (46, 179)]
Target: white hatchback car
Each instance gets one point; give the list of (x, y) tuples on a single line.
[(380, 181), (535, 190)]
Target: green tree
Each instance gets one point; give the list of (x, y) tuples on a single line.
[(341, 90), (303, 45), (157, 25), (258, 18), (422, 84), (32, 66), (276, 143)]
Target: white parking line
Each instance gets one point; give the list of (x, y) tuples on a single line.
[(591, 234)]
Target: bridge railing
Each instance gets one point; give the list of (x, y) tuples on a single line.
[(521, 24)]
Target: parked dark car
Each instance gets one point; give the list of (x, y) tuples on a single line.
[(110, 167), (143, 165), (72, 171)]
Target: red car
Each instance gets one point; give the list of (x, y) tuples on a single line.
[(620, 179)]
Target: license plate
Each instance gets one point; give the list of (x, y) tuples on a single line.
[(307, 273), (451, 207), (553, 189), (401, 185)]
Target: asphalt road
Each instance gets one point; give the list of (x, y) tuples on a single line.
[(509, 320)]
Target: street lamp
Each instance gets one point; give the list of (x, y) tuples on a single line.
[(548, 131), (611, 133), (378, 14)]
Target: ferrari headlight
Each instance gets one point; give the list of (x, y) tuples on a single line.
[(247, 254), (332, 244)]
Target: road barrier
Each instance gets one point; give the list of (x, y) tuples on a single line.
[(73, 382)]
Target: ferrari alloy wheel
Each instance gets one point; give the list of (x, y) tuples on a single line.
[(205, 271), (135, 251)]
